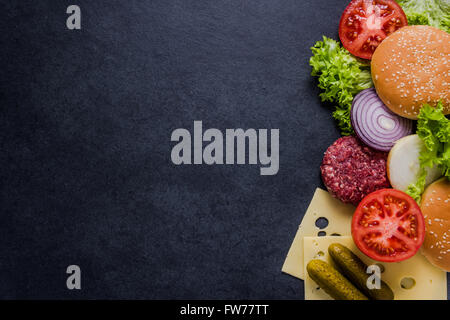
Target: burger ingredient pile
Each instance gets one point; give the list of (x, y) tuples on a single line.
[(429, 282), (341, 75), (376, 207)]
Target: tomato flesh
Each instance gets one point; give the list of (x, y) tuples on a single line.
[(365, 23), (388, 226)]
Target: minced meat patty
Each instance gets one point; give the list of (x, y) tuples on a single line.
[(352, 170)]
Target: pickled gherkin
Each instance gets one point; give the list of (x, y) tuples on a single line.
[(354, 269), (332, 282)]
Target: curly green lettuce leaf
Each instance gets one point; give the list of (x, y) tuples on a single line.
[(341, 76), (434, 13), (342, 116), (433, 128), (416, 189)]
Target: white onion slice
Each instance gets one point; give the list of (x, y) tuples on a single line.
[(403, 165)]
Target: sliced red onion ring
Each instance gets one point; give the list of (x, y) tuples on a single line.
[(376, 125)]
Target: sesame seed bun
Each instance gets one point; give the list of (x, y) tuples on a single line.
[(412, 67), (435, 207)]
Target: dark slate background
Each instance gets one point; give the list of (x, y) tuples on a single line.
[(85, 170)]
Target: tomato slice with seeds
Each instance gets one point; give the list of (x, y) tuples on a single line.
[(365, 23), (388, 226)]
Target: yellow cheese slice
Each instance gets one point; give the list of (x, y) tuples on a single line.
[(428, 282), (323, 205)]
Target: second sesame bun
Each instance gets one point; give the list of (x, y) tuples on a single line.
[(435, 208), (411, 67)]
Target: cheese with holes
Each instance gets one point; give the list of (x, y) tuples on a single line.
[(323, 205), (419, 278)]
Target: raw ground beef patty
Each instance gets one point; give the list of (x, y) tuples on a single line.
[(351, 170)]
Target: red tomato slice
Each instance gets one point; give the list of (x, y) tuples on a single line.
[(388, 226), (365, 23)]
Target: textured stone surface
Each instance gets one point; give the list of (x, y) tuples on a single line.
[(85, 169)]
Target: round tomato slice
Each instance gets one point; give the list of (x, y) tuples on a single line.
[(388, 226), (365, 23)]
